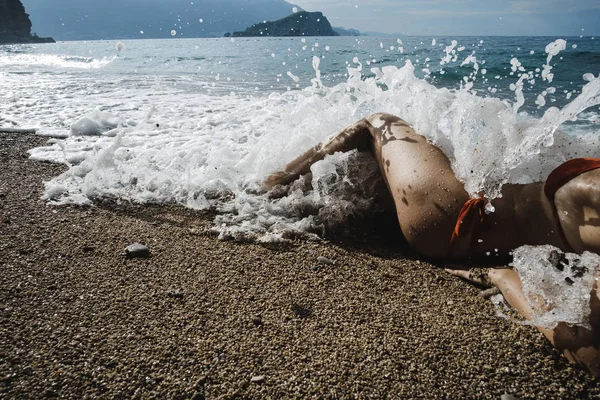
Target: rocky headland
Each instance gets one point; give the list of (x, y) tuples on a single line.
[(302, 23), (15, 25)]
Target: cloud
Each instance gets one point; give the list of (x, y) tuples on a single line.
[(552, 6), (457, 7), (447, 13), (395, 4)]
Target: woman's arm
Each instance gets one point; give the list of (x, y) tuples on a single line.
[(578, 344)]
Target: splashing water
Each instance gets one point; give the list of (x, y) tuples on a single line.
[(557, 286), (217, 155), (552, 50)]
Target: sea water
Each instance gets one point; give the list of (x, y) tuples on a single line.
[(202, 122)]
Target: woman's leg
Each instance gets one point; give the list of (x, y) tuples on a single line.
[(369, 134), (426, 194)]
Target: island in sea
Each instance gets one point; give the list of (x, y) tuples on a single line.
[(15, 25), (302, 23)]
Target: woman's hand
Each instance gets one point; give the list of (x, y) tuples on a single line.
[(488, 277), (579, 345)]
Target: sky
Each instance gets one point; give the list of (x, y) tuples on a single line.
[(463, 17)]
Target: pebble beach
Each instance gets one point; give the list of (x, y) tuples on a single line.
[(201, 318)]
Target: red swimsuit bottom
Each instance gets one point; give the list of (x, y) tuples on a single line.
[(475, 208)]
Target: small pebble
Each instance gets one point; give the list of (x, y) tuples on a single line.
[(324, 260), (508, 397), (200, 382), (198, 396), (258, 379), (486, 294), (137, 250), (175, 294), (244, 384)]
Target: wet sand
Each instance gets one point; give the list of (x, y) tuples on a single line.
[(204, 318)]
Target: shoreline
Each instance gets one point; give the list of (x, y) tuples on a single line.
[(221, 319)]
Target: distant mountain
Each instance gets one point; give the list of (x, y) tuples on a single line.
[(381, 34), (15, 25), (346, 32), (129, 19), (298, 24)]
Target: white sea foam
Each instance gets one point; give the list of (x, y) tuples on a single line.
[(53, 60), (97, 123), (558, 286), (214, 151)]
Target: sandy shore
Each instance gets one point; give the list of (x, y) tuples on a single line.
[(204, 318)]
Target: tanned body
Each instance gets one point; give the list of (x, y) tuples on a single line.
[(427, 199)]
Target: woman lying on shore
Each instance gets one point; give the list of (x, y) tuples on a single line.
[(441, 222)]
